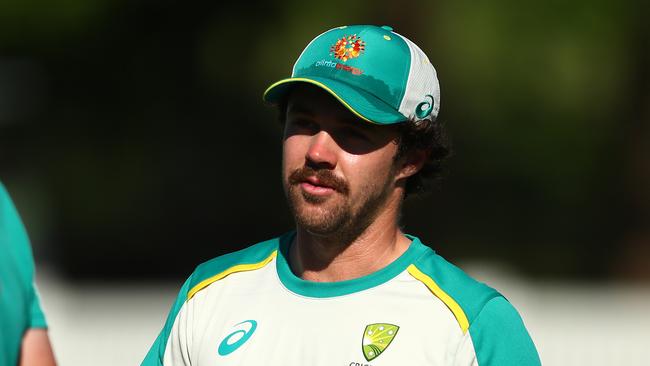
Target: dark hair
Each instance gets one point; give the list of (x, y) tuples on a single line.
[(414, 135), (429, 136)]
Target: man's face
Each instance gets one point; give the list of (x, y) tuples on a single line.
[(337, 169)]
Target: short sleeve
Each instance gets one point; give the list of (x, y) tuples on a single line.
[(20, 263), (499, 336), (36, 315)]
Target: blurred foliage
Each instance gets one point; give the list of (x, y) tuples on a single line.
[(133, 135)]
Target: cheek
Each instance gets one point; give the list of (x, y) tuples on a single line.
[(366, 171), (293, 152)]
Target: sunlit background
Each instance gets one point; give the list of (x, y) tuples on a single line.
[(135, 144)]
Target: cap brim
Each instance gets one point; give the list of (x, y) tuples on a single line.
[(363, 104)]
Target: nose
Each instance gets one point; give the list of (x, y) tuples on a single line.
[(322, 151)]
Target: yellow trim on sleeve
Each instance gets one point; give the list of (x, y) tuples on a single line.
[(238, 268), (442, 295), (326, 88)]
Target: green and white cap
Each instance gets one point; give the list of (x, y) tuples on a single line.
[(379, 75)]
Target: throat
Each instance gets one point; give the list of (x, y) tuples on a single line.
[(330, 261)]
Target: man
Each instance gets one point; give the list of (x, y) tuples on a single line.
[(347, 287), (23, 329)]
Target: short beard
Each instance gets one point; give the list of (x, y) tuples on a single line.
[(342, 223)]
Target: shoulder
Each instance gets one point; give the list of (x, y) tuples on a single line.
[(498, 333), (253, 257), (464, 295), (6, 205), (9, 218), (3, 192)]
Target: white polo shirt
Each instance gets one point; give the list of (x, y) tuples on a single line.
[(248, 308)]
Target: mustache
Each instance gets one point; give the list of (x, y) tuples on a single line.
[(325, 177)]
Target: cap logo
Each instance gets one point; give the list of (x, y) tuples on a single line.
[(348, 47), (425, 108)]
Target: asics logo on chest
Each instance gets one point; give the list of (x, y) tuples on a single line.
[(237, 338)]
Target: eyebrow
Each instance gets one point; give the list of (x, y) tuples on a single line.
[(297, 108), (351, 119)]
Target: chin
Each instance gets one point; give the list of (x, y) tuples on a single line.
[(320, 218), (319, 227)]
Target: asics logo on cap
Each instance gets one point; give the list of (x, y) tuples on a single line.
[(425, 108)]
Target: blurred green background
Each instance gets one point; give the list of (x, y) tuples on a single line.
[(135, 143)]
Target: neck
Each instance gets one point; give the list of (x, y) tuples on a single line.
[(339, 258)]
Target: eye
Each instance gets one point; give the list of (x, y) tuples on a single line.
[(355, 134), (302, 124)]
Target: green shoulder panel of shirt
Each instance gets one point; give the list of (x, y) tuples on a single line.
[(246, 259), (20, 307), (203, 275), (498, 333)]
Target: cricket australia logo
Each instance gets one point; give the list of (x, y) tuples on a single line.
[(376, 338)]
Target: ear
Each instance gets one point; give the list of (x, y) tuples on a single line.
[(411, 164)]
